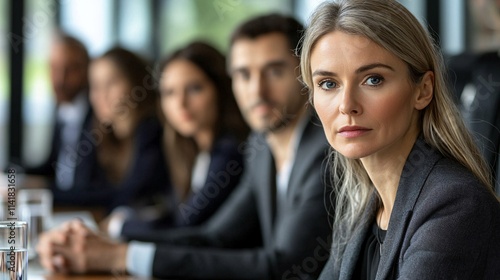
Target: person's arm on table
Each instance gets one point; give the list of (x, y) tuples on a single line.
[(78, 249), (75, 248)]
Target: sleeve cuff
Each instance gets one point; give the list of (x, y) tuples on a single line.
[(117, 220), (140, 257)]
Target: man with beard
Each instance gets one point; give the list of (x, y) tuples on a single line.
[(68, 62), (275, 225)]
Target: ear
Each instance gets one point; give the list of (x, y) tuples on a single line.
[(424, 91)]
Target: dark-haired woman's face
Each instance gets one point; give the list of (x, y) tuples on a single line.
[(188, 98), (109, 90)]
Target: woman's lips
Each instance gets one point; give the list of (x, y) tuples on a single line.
[(353, 131)]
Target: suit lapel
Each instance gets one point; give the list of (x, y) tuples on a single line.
[(83, 170), (417, 167), (306, 151), (272, 190), (354, 247), (267, 181)]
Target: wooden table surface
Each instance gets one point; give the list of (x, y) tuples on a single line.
[(36, 272), (89, 277)]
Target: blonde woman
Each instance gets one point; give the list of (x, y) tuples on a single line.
[(414, 197)]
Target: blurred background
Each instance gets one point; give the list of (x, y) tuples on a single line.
[(153, 28)]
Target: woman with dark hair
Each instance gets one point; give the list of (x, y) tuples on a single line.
[(126, 137), (202, 130)]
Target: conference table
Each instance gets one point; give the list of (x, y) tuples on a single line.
[(35, 271)]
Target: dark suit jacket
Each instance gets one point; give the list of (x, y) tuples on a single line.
[(224, 172), (293, 246), (47, 168), (87, 171), (444, 225), (146, 178), (484, 113)]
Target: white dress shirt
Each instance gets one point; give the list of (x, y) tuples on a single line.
[(72, 117)]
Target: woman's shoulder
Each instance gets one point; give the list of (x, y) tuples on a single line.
[(226, 148), (449, 170), (451, 183), (441, 175), (453, 227)]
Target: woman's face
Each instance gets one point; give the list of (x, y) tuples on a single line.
[(188, 98), (109, 89), (364, 97)]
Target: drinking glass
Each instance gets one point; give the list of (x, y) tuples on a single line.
[(35, 207), (13, 250)]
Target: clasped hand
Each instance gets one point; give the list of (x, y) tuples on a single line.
[(74, 248)]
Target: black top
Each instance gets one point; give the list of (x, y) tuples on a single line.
[(367, 265), (226, 167), (146, 178)]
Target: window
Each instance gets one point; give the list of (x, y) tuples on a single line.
[(304, 9), (91, 22), (209, 21), (38, 104), (417, 8), (135, 26), (100, 24), (4, 82), (453, 19)]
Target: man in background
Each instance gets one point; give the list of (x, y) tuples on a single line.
[(68, 64)]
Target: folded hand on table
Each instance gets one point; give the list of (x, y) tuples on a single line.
[(74, 248)]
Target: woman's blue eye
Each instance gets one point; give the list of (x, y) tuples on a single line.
[(374, 81), (326, 85)]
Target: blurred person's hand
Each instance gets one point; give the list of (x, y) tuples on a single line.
[(74, 248), (104, 224), (45, 247)]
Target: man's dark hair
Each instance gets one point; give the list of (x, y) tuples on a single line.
[(273, 23), (65, 39)]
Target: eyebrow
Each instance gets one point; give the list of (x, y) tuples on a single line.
[(361, 69), (271, 64), (275, 64)]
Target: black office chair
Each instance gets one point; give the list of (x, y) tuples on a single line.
[(482, 115)]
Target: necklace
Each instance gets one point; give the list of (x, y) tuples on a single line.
[(379, 240)]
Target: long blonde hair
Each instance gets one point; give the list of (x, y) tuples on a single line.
[(392, 26)]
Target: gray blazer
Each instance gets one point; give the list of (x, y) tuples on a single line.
[(444, 225), (246, 238)]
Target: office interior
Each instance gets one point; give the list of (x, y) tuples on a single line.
[(152, 29)]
